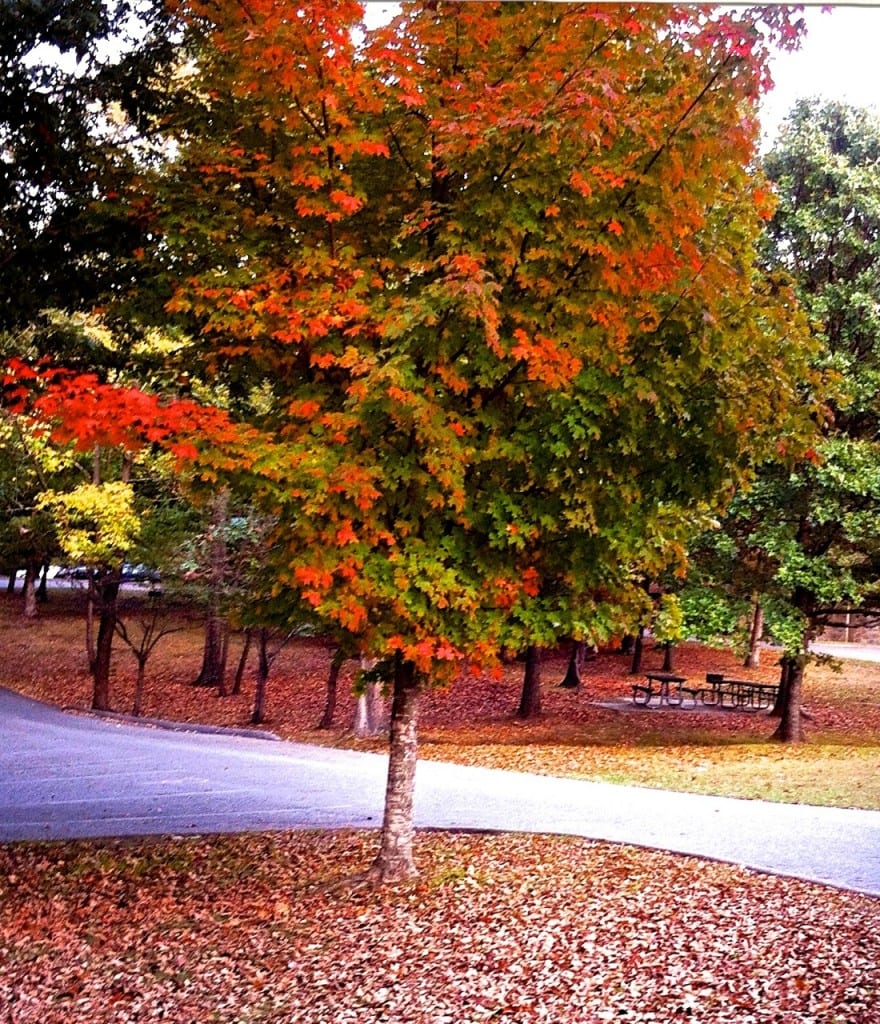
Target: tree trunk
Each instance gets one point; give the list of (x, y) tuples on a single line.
[(753, 657), (572, 680), (91, 653), (213, 671), (10, 583), (336, 663), (394, 861), (369, 713), (43, 588), (782, 694), (668, 657), (791, 725), (638, 650), (29, 610), (222, 691), (107, 585), (259, 713), (530, 699), (242, 661)]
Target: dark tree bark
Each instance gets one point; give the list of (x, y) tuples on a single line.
[(43, 588), (270, 643), (782, 694), (753, 657), (137, 704), (572, 680), (394, 861), (263, 665), (242, 661), (213, 671), (10, 583), (791, 724), (530, 699), (788, 706), (668, 657), (106, 585), (638, 649), (91, 601), (339, 657)]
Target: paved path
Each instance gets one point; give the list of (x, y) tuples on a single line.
[(846, 651), (68, 776)]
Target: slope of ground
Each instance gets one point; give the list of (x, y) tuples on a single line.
[(511, 929), (472, 722)]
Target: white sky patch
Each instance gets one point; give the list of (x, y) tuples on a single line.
[(378, 12), (838, 60)]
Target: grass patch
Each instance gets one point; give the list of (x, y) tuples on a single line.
[(819, 774)]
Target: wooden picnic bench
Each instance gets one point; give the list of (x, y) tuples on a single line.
[(669, 689), (740, 694)]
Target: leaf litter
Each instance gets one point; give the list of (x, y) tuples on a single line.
[(505, 928)]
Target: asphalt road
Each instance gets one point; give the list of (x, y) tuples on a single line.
[(73, 776), (846, 651)]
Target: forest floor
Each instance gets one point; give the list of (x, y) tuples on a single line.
[(280, 927)]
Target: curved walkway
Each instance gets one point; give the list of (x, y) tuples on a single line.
[(71, 776)]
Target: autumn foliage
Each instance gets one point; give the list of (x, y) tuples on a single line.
[(495, 264), (484, 281), (82, 409)]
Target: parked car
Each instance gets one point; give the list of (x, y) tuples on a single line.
[(73, 572), (139, 574)]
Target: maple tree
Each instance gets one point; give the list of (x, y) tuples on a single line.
[(493, 267), (486, 277)]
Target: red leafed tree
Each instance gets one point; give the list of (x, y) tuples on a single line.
[(94, 414), (491, 268)]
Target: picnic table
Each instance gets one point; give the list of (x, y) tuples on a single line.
[(668, 689), (741, 694)]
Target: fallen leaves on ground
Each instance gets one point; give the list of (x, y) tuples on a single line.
[(510, 929)]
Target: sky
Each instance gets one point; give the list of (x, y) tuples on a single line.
[(839, 59)]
